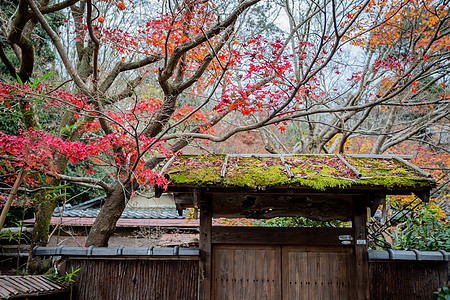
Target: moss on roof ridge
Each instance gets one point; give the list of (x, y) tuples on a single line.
[(318, 172)]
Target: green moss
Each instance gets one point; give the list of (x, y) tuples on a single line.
[(370, 167), (197, 170), (321, 182), (317, 172), (255, 173), (391, 182)]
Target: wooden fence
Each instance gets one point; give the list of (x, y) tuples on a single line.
[(406, 279), (135, 279), (178, 279)]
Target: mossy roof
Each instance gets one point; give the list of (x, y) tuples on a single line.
[(261, 172)]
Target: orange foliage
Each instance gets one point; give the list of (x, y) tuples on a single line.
[(414, 20), (121, 6), (391, 21), (434, 162)]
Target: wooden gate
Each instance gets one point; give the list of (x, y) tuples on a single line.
[(246, 272), (317, 273), (282, 272)]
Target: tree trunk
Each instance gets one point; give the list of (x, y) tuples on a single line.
[(105, 223), (46, 204)]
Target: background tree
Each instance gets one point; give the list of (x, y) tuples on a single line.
[(401, 60), (199, 65)]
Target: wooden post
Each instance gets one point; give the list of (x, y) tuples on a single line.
[(205, 249), (12, 194), (361, 253)]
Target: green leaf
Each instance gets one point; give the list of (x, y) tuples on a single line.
[(19, 80), (46, 76)]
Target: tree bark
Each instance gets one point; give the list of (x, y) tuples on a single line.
[(46, 204), (105, 223)]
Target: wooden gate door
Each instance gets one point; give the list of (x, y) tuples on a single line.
[(246, 272), (318, 273), (275, 272)]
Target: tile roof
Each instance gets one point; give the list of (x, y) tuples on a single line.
[(115, 251), (78, 221), (131, 217), (29, 285), (128, 213)]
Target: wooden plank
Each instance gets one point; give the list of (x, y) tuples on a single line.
[(406, 279), (38, 284), (135, 279), (46, 283), (25, 284), (311, 272), (242, 262), (278, 235), (9, 287), (361, 253), (205, 249), (221, 267), (246, 272), (4, 292), (18, 284)]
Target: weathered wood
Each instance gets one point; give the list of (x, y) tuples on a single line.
[(414, 167), (317, 273), (142, 279), (11, 196), (246, 272), (135, 279), (184, 189), (224, 167), (361, 254), (278, 235), (406, 279), (324, 206), (286, 166), (30, 286), (205, 249), (352, 168), (260, 205)]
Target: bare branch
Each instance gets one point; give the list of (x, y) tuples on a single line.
[(122, 67)]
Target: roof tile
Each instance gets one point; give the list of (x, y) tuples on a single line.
[(128, 213)]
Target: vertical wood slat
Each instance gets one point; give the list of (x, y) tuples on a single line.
[(205, 249), (246, 272), (317, 273), (114, 279), (361, 254), (135, 279), (406, 279)]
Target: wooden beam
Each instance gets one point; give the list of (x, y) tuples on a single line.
[(224, 167), (205, 249), (186, 190), (263, 206), (361, 253), (424, 196), (281, 236), (415, 168), (287, 167), (352, 168)]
